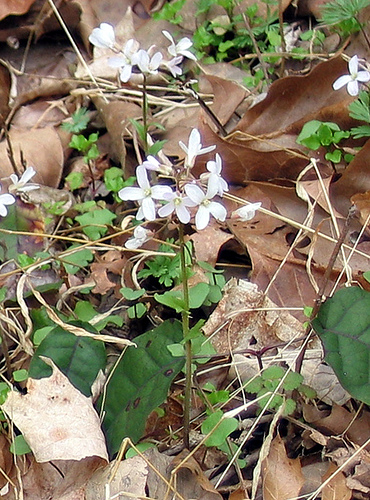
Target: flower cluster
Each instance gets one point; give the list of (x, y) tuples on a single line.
[(355, 76), (148, 61), (188, 197)]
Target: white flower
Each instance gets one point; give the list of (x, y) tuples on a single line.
[(194, 148), (214, 178), (206, 206), (103, 37), (141, 235), (353, 78), (5, 199), (125, 61), (247, 212), (148, 65), (145, 194), (180, 48), (151, 163), (173, 67), (19, 185), (178, 204)]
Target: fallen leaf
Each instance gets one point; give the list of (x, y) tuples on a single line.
[(14, 7), (70, 427), (337, 488), (282, 477)]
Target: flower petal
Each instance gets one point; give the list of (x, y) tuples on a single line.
[(202, 218), (183, 213), (142, 177), (342, 81), (166, 210), (159, 191), (353, 66), (148, 208), (352, 87), (195, 193), (125, 73), (218, 211), (363, 76), (131, 193)]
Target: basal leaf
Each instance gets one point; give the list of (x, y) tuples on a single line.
[(343, 325), (139, 383), (79, 358)]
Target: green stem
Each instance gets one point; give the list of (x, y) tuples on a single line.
[(185, 328), (145, 115)]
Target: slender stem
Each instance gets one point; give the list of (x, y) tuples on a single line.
[(145, 115), (185, 329)]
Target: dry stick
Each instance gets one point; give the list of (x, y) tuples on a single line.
[(321, 291)]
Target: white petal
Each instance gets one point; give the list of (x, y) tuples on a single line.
[(188, 54), (159, 192), (184, 44), (131, 193), (28, 174), (14, 178), (117, 62), (363, 76), (183, 214), (218, 211), (142, 177), (183, 147), (125, 73), (342, 81), (352, 87), (247, 212), (212, 186), (168, 35), (148, 208), (353, 65), (166, 210), (142, 60), (6, 199), (202, 218), (3, 210), (195, 193), (156, 61)]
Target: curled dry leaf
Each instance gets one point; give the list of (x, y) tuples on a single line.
[(14, 7), (69, 428), (337, 488)]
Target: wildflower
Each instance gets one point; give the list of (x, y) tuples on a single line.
[(194, 148), (140, 236), (19, 185), (180, 48), (353, 78), (247, 212), (5, 199), (151, 163), (148, 65), (177, 203), (145, 194), (206, 206), (103, 37), (126, 61), (214, 178), (173, 67)]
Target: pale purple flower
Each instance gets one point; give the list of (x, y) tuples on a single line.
[(173, 67), (103, 37), (180, 48), (247, 212), (148, 65), (179, 204), (5, 199), (194, 148), (353, 78), (207, 207), (20, 185), (140, 236), (214, 178), (145, 194), (126, 61)]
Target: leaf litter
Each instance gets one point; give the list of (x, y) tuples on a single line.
[(281, 257)]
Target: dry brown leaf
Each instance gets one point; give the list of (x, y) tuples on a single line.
[(337, 488), (338, 421), (70, 427), (40, 148), (110, 262), (247, 321), (282, 476), (14, 7)]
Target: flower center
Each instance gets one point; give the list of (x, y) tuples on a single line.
[(147, 192), (177, 201), (206, 202)]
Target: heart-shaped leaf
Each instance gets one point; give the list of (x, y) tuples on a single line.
[(343, 325)]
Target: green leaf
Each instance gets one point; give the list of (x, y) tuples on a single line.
[(334, 156), (77, 260), (175, 300), (156, 147), (79, 358), (292, 381), (20, 375), (94, 224), (80, 119), (19, 446), (343, 325), (221, 428), (130, 294), (85, 311), (139, 383), (136, 311)]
